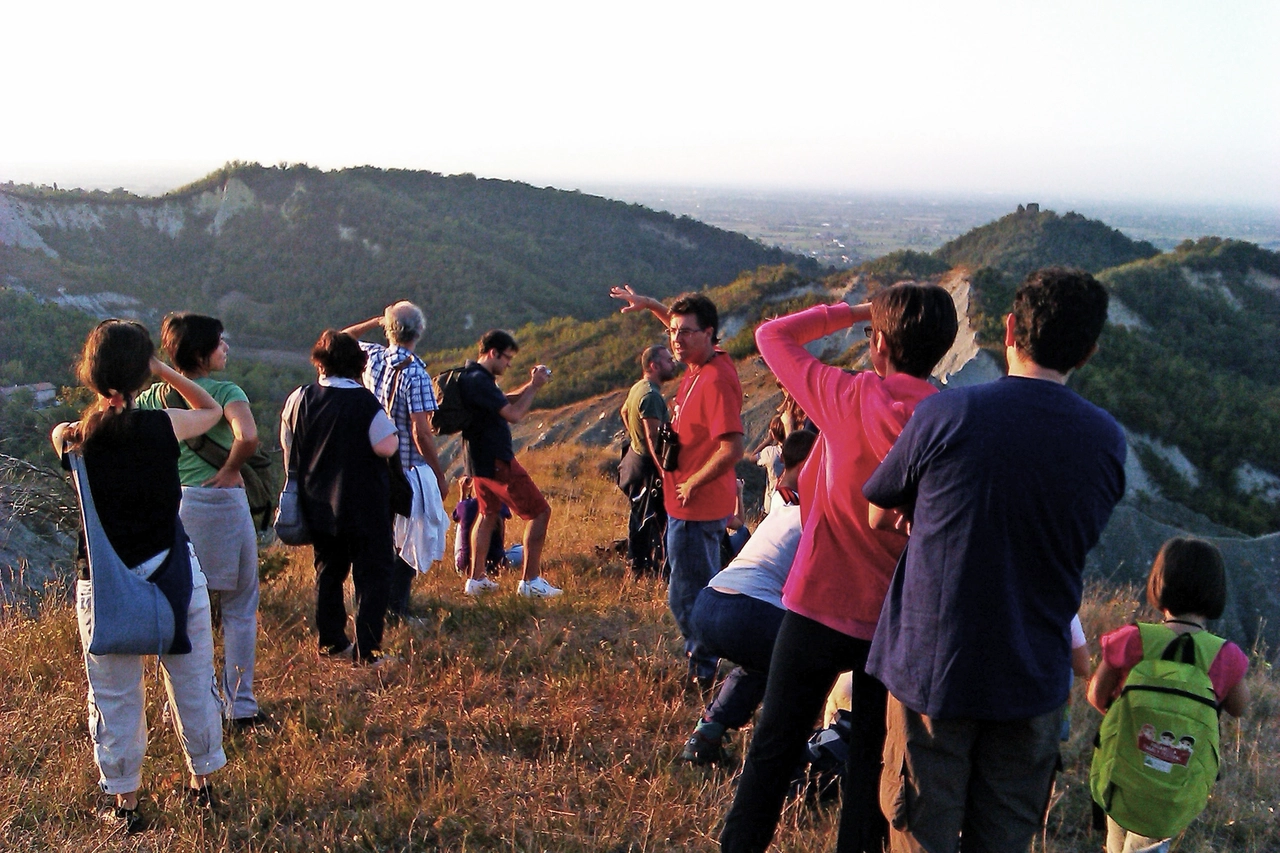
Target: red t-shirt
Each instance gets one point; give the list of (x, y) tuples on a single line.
[(1122, 649), (708, 406)]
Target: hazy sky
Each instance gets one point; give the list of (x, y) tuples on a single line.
[(1149, 101)]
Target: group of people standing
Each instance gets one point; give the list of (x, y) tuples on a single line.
[(933, 544)]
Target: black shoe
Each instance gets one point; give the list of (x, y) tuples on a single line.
[(202, 798), (245, 723), (130, 821), (701, 750), (337, 651)]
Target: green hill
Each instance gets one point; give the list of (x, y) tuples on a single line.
[(281, 252), (1030, 238)]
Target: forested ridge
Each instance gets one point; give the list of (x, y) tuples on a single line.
[(1192, 360), (279, 251)]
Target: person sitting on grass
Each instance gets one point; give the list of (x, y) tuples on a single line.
[(465, 514), (738, 613)]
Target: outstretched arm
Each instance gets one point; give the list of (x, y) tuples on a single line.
[(522, 400), (637, 302), (811, 383)]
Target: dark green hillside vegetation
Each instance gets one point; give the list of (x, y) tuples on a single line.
[(905, 264), (1201, 373), (590, 358), (281, 252), (1029, 239), (39, 342)]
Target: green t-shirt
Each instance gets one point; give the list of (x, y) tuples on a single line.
[(193, 470), (643, 401)]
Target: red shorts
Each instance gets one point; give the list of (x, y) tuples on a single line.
[(510, 485)]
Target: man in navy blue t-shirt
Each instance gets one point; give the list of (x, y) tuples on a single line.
[(1007, 485)]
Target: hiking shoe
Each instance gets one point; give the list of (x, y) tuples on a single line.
[(700, 749), (379, 660), (246, 723), (538, 588), (479, 586), (338, 652), (128, 821)]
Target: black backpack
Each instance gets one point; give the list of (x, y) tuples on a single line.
[(451, 414)]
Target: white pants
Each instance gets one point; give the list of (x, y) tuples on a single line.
[(221, 530), (1120, 840), (117, 722)]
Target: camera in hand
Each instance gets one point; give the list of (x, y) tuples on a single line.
[(668, 448)]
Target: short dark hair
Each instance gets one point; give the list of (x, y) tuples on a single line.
[(498, 339), (700, 307), (188, 339), (337, 354), (650, 355), (796, 447), (1188, 576), (1058, 314), (918, 322)]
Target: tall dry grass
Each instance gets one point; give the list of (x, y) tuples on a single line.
[(513, 725)]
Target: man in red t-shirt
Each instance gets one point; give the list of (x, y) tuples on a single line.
[(700, 493)]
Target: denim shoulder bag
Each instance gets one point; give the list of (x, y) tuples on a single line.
[(290, 522), (128, 615)]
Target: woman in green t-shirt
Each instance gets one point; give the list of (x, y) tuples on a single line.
[(215, 511)]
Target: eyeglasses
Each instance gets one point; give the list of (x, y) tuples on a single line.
[(869, 331), (506, 356), (683, 331)]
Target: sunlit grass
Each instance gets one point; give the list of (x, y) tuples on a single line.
[(514, 725)]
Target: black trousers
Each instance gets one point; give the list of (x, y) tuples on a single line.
[(807, 658), (641, 481), (402, 575), (368, 559)]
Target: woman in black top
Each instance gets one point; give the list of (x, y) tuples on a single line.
[(131, 459), (337, 438)]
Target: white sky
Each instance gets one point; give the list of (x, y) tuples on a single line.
[(1160, 100)]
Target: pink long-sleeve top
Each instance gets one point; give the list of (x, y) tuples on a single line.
[(842, 567)]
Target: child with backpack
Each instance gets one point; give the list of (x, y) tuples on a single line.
[(1161, 687)]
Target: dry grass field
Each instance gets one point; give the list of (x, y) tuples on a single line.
[(512, 725)]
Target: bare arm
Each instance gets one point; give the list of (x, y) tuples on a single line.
[(1105, 681), (1236, 699), (1080, 663), (245, 441), (637, 302), (388, 447), (204, 412), (420, 425), (726, 456), (522, 399), (879, 518), (358, 330), (649, 427)]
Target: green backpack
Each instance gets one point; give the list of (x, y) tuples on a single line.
[(1156, 757)]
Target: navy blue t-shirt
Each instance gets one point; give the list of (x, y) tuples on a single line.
[(1012, 483), (488, 435)]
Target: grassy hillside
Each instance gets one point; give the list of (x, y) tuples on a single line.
[(280, 252), (514, 725)]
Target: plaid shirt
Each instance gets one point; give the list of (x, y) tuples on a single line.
[(415, 392)]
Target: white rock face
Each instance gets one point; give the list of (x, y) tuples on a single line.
[(1263, 281), (16, 230), (1169, 453), (236, 196), (965, 349), (1212, 282), (1251, 479), (1119, 314)]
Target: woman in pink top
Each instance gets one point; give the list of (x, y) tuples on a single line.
[(842, 568)]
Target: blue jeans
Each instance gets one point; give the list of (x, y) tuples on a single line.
[(742, 629), (693, 554)]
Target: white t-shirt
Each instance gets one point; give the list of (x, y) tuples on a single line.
[(760, 570)]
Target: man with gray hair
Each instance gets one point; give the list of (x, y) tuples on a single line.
[(400, 381)]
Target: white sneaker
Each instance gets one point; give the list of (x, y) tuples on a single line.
[(476, 587), (538, 588)]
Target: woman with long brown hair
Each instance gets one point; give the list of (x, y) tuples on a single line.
[(131, 462)]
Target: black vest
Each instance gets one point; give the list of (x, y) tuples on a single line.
[(344, 483)]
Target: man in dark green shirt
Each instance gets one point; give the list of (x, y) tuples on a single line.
[(638, 475)]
